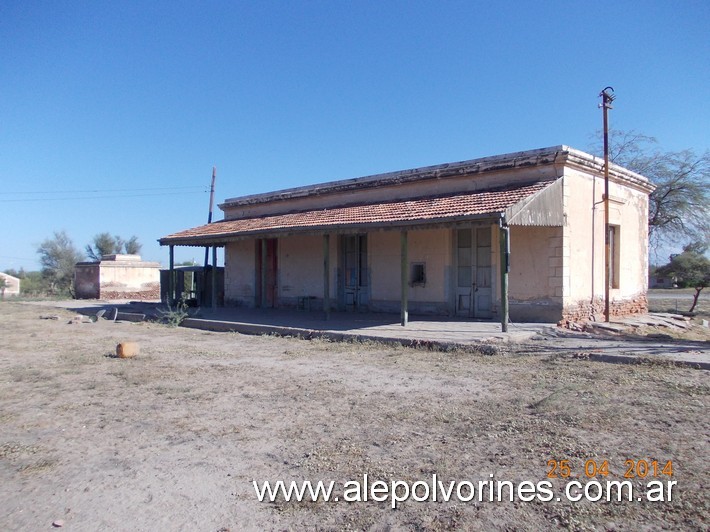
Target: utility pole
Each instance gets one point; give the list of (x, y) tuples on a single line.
[(209, 216), (213, 274), (607, 96)]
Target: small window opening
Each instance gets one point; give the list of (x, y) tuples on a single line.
[(615, 255), (417, 275)]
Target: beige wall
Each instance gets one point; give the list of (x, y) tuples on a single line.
[(584, 238), (239, 274), (533, 264), (300, 270), (536, 278), (300, 267), (429, 246), (129, 277)]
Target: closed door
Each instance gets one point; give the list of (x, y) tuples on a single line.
[(354, 279), (267, 268), (474, 294)]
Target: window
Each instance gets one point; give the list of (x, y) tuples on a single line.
[(417, 275), (614, 252)]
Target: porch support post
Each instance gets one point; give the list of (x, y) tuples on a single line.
[(326, 276), (171, 276), (214, 277), (504, 238), (263, 273), (405, 285)]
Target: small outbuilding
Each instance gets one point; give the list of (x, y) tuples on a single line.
[(11, 286), (522, 231), (117, 277)]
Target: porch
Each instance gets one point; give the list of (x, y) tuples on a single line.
[(440, 332)]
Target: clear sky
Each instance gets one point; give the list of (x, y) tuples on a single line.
[(112, 114)]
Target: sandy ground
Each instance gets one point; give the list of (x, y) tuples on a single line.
[(173, 438)]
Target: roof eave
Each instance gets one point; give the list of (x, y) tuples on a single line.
[(224, 238)]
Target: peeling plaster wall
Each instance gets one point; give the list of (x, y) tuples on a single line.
[(431, 247), (585, 247), (300, 269), (239, 273), (537, 274)]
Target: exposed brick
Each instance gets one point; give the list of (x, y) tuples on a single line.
[(151, 293), (594, 310)]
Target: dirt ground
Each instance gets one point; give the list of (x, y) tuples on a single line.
[(174, 438)]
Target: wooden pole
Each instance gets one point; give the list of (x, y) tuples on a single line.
[(209, 215), (607, 98), (405, 284), (326, 276)]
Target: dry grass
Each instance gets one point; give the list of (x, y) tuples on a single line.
[(678, 300), (174, 437)]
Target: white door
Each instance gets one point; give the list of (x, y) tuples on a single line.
[(474, 294)]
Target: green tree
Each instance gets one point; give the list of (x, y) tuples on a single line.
[(33, 283), (133, 247), (58, 256), (679, 208), (105, 244), (691, 268), (3, 286)]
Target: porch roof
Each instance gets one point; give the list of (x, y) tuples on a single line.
[(427, 211)]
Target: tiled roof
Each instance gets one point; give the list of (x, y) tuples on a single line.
[(399, 213)]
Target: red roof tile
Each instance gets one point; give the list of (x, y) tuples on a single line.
[(410, 212)]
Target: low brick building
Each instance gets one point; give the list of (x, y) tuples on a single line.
[(117, 277), (523, 231)]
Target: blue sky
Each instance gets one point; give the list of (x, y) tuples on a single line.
[(112, 114)]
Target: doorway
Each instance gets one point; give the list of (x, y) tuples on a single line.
[(267, 272), (354, 279), (474, 293)]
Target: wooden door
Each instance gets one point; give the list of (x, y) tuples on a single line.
[(267, 272), (354, 278), (474, 293)]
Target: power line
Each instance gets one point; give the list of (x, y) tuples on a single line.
[(99, 191), (100, 197)]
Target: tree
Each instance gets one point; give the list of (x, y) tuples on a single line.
[(3, 286), (58, 256), (105, 244), (133, 247), (680, 205), (692, 269)]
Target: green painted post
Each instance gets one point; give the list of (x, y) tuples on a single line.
[(214, 278), (405, 283), (326, 276), (504, 264), (171, 276)]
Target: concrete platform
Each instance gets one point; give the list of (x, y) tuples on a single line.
[(615, 342), (423, 331)]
